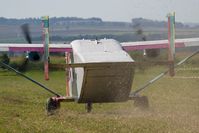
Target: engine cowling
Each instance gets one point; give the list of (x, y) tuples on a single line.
[(152, 53), (34, 56)]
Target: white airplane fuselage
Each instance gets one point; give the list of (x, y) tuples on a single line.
[(107, 75)]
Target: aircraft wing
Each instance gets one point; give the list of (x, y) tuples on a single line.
[(35, 47), (159, 44), (128, 46)]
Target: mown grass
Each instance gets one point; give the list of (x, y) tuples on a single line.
[(173, 106)]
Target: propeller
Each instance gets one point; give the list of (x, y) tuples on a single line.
[(26, 32), (34, 56)]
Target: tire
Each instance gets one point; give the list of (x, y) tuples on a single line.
[(52, 106), (88, 107)]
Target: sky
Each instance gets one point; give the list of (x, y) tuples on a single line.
[(108, 10)]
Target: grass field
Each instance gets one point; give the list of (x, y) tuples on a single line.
[(174, 106)]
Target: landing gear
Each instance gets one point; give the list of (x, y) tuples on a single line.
[(141, 101), (88, 107), (52, 105)]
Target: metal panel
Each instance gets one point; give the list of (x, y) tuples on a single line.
[(108, 82)]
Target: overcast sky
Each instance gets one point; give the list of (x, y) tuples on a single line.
[(108, 10)]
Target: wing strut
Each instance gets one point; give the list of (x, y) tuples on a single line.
[(171, 44), (135, 93), (45, 25)]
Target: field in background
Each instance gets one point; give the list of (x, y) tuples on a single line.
[(173, 104), (65, 33)]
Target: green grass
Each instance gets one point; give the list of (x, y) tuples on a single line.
[(173, 106)]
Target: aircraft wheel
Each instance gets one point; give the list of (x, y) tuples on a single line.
[(52, 106), (141, 102), (88, 107)]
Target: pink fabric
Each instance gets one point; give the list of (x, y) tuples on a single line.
[(127, 48), (152, 46), (39, 49)]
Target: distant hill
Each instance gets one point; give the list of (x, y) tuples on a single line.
[(58, 21), (90, 21), (66, 29), (142, 22)]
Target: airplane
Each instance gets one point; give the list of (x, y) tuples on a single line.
[(101, 71)]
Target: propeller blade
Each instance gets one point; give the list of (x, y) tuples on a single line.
[(26, 33)]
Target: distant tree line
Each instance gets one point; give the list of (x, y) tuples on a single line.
[(53, 21), (65, 21), (142, 22), (68, 29)]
